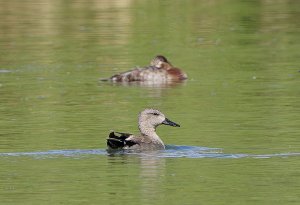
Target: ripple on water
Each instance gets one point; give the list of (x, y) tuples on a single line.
[(172, 151), (5, 71)]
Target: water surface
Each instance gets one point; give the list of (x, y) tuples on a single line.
[(239, 110)]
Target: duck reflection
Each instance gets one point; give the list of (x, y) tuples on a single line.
[(150, 172)]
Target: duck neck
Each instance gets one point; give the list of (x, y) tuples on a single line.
[(166, 66), (150, 131)]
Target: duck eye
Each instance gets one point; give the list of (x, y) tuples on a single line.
[(155, 113)]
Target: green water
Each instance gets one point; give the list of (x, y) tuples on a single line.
[(243, 96)]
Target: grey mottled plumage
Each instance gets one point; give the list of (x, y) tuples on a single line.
[(149, 119)]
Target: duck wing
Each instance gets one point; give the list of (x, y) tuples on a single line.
[(137, 74), (119, 140), (131, 75)]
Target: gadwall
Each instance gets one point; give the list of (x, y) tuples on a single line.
[(149, 119), (159, 70)]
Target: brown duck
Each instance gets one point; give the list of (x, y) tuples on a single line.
[(160, 70)]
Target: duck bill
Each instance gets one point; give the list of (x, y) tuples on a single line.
[(169, 122)]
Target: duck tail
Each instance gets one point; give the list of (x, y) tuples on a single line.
[(114, 78), (117, 142)]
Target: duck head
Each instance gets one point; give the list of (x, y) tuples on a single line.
[(149, 119), (161, 62)]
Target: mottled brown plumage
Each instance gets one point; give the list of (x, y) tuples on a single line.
[(160, 70)]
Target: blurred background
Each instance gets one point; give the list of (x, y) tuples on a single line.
[(243, 94)]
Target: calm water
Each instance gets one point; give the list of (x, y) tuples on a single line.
[(239, 111)]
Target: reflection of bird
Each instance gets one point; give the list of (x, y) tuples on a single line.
[(160, 70), (149, 119)]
